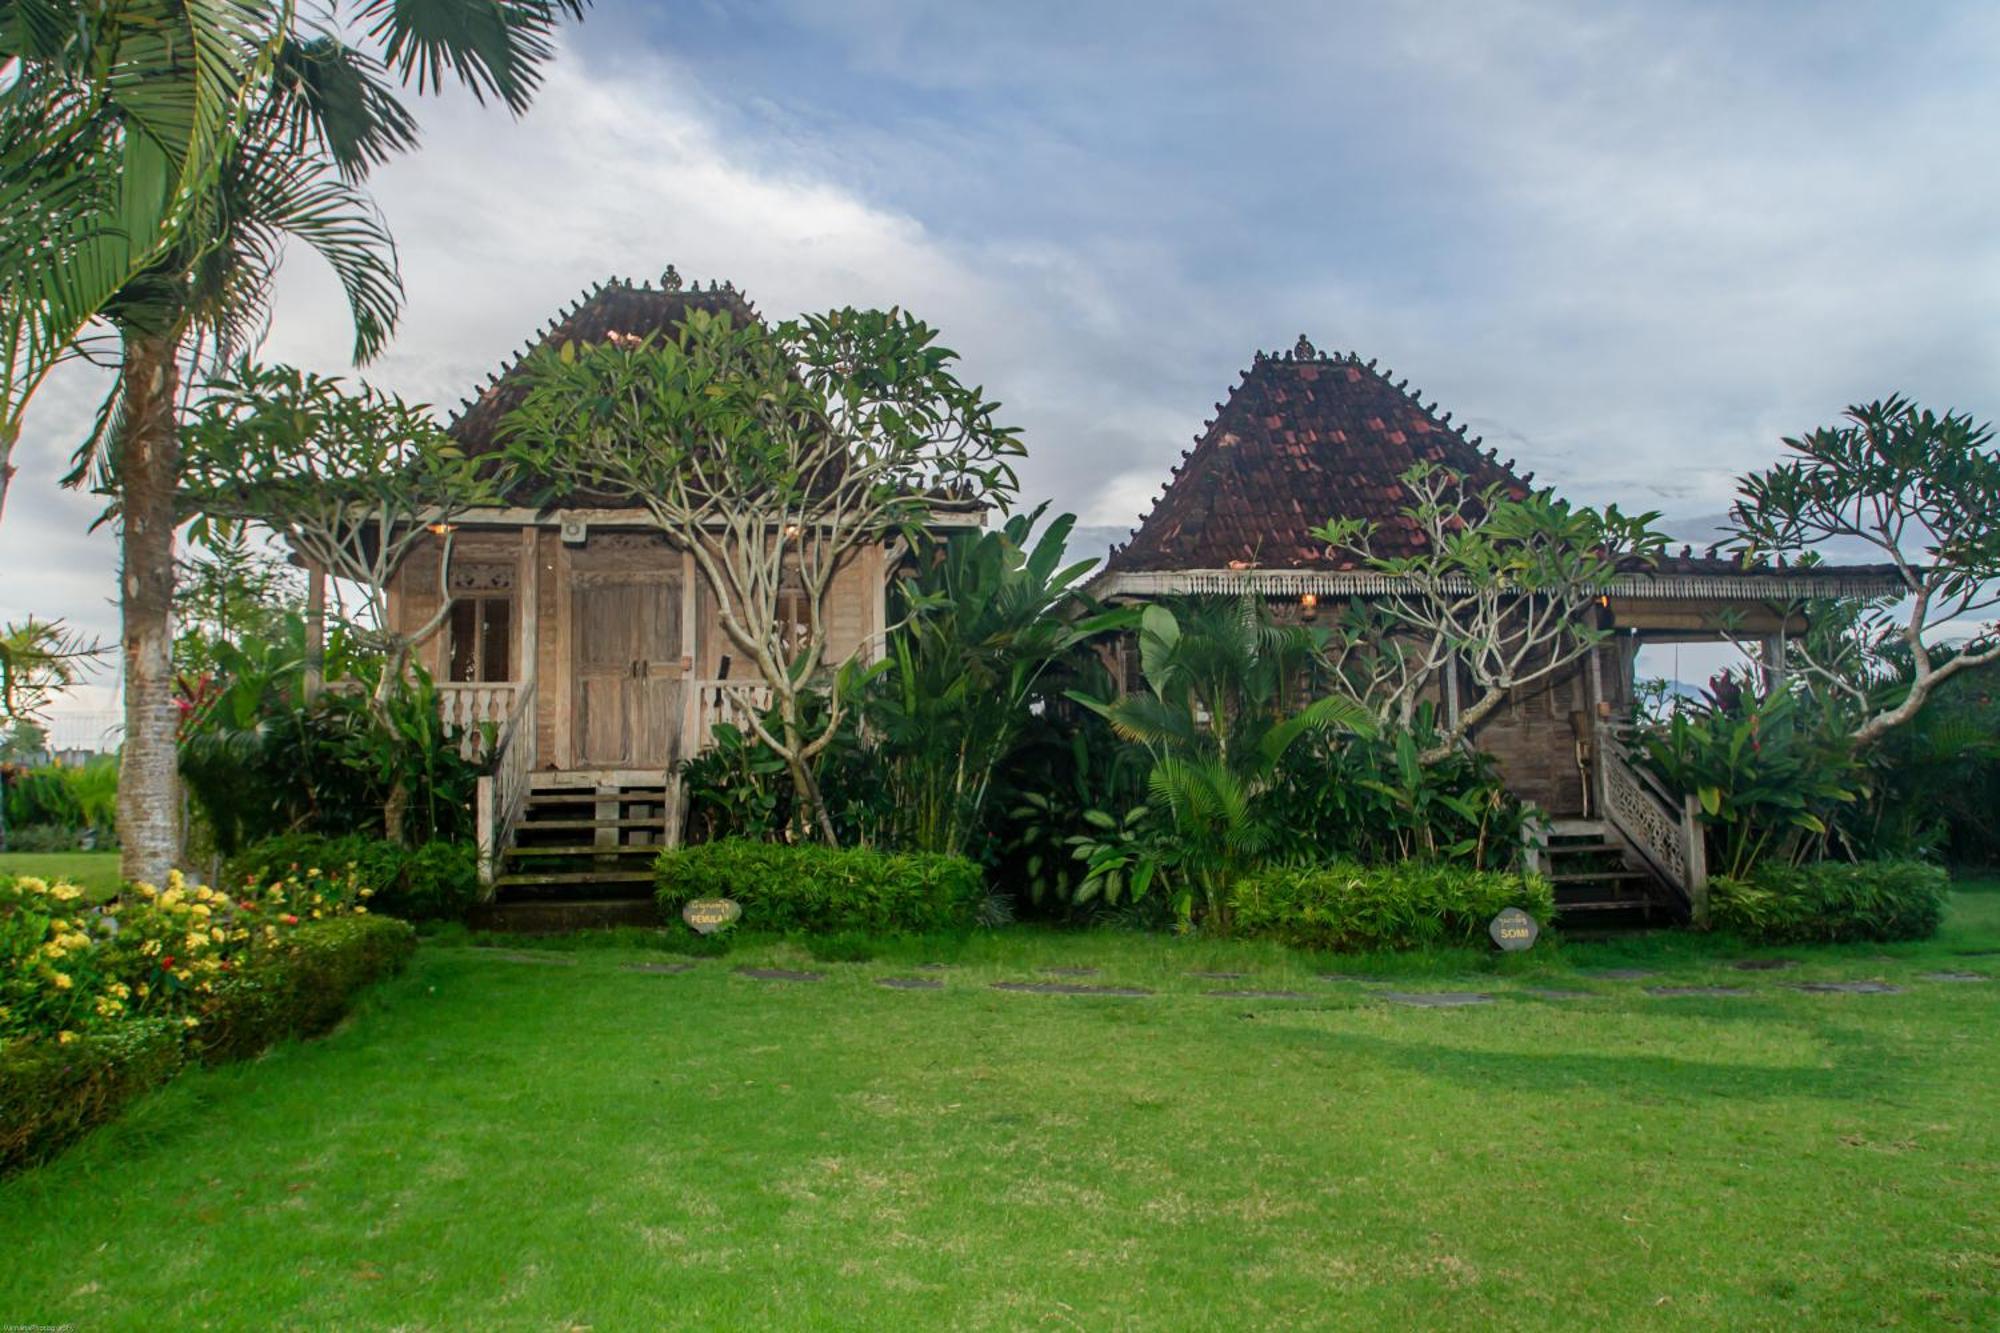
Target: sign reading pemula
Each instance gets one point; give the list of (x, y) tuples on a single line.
[(708, 915), (1513, 930)]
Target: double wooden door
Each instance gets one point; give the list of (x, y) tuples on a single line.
[(626, 664)]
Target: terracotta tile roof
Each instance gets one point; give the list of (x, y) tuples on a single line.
[(1304, 437), (614, 306)]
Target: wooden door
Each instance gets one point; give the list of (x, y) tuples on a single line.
[(627, 669)]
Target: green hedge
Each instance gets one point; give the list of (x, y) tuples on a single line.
[(1404, 906), (435, 882), (51, 1095), (813, 888), (1832, 902), (305, 987)]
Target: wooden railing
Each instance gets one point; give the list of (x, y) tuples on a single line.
[(1663, 829), (503, 793), (468, 706), (717, 701)]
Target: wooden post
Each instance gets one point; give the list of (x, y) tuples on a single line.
[(315, 632), (1695, 851), (489, 851)]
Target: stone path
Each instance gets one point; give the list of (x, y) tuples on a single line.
[(1067, 988), (1410, 999), (1675, 992), (778, 974), (1255, 994)]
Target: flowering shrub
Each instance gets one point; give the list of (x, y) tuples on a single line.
[(98, 1003), (68, 967)]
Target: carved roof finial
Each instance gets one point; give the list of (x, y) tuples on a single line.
[(1303, 350), (670, 281)]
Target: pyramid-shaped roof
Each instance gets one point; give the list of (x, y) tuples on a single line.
[(1305, 437), (614, 306)]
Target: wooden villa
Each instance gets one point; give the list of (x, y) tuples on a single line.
[(1306, 437), (590, 644)]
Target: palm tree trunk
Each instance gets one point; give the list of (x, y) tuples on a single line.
[(148, 456), (10, 435)]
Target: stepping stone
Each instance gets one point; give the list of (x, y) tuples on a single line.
[(1955, 976), (1220, 976), (1671, 992), (909, 983), (1067, 988), (543, 959), (1542, 993), (658, 969), (1975, 953), (1848, 987), (1257, 995), (932, 967), (1354, 977), (777, 974), (1623, 973), (1436, 999), (1763, 964), (1070, 971)]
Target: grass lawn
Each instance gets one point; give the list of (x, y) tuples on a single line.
[(96, 872), (564, 1142)]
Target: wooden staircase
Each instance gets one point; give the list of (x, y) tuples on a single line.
[(582, 852), (1600, 881)]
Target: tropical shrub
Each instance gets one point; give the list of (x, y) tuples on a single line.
[(809, 887), (1223, 706), (1371, 799), (52, 1095), (100, 1002), (260, 760), (1407, 906), (68, 800), (303, 984), (741, 788), (1771, 781), (984, 618), (1832, 902), (434, 882)]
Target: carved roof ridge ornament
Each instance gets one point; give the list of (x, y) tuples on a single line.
[(1304, 350), (670, 281)]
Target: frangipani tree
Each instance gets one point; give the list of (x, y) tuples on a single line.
[(40, 659), (775, 456), (1502, 587), (1922, 489), (352, 480)]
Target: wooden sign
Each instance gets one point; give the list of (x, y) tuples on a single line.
[(1513, 930), (708, 915)]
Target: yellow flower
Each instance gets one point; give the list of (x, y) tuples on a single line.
[(54, 949), (149, 948), (359, 910), (215, 933), (61, 980), (32, 884), (65, 1037), (183, 974), (64, 893), (190, 1022)]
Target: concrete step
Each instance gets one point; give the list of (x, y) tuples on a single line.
[(533, 879), (589, 849)]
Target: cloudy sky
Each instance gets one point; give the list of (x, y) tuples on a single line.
[(1631, 244)]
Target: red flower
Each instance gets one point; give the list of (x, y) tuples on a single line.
[(289, 919), (167, 963)]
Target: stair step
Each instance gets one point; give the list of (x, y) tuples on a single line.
[(1575, 828), (544, 800), (524, 879), (1608, 905), (535, 825), (590, 849), (1598, 876), (1582, 848)]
